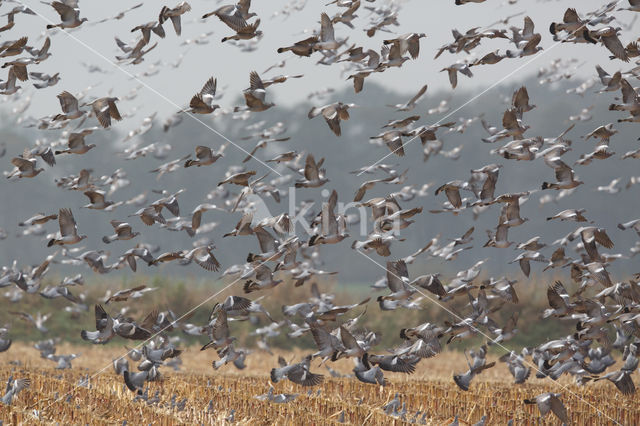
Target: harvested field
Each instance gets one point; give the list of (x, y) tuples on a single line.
[(430, 390)]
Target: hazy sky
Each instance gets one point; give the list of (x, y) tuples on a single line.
[(171, 87)]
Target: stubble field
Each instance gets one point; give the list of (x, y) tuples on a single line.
[(205, 396)]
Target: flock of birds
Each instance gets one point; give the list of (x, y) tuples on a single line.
[(600, 303)]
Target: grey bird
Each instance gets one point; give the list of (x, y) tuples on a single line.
[(479, 364), (5, 343), (298, 373), (366, 373), (69, 15), (13, 388), (547, 402)]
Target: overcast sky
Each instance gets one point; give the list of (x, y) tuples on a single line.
[(171, 87)]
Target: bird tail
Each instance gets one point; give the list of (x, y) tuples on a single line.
[(483, 367), (208, 345), (529, 401), (51, 242), (249, 286), (545, 185), (336, 355), (461, 384), (587, 36), (128, 382)]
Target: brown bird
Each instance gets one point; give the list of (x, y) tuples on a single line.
[(205, 156), (105, 109), (68, 230), (241, 179), (174, 14), (202, 102), (333, 114)]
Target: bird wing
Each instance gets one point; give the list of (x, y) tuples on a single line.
[(113, 110), (250, 28), (510, 119), (558, 408), (68, 102), (564, 173), (197, 102), (66, 12), (220, 328), (255, 81), (209, 87), (23, 164), (243, 6), (117, 223), (102, 113), (326, 28), (95, 196), (535, 40), (615, 46), (521, 98), (101, 317), (265, 239), (395, 272), (236, 303), (311, 168), (207, 261), (629, 94), (263, 273), (67, 223), (570, 16), (302, 376), (601, 237), (431, 283), (528, 27), (555, 295), (348, 340), (203, 152), (453, 195), (236, 22)]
